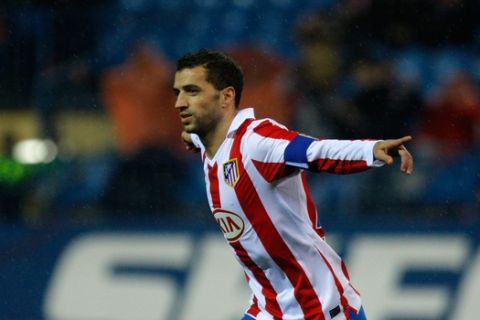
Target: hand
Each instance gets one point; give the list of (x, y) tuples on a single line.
[(187, 141), (384, 150)]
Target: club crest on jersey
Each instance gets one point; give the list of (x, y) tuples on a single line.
[(230, 172), (231, 224)]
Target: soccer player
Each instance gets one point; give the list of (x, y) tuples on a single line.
[(256, 187)]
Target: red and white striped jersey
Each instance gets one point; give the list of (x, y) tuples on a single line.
[(258, 194)]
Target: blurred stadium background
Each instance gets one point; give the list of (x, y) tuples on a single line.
[(103, 215)]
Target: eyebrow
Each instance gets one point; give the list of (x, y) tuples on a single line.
[(186, 88), (191, 86)]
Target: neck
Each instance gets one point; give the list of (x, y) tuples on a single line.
[(213, 139)]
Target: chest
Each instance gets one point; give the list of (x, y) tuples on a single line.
[(223, 178), (222, 174)]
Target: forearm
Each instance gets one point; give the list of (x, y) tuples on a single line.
[(334, 156), (341, 156)]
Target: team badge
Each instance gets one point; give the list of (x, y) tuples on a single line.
[(231, 224), (230, 172)]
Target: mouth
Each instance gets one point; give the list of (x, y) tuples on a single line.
[(185, 117)]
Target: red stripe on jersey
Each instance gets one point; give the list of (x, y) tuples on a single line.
[(269, 130), (312, 212), (272, 171), (345, 271), (343, 300), (338, 166), (253, 310), (214, 186), (271, 239), (271, 304)]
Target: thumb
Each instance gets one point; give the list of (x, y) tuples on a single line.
[(383, 156), (380, 152), (186, 137)]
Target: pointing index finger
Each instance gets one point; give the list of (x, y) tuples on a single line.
[(404, 139)]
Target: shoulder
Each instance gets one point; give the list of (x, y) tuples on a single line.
[(269, 128), (266, 139)]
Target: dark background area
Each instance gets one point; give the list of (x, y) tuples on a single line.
[(94, 78)]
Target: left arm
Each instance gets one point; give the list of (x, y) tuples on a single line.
[(333, 156), (346, 156)]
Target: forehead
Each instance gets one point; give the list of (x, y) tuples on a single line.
[(196, 75)]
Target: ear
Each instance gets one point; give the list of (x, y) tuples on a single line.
[(228, 96)]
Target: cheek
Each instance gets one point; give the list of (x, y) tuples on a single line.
[(198, 108), (205, 107)]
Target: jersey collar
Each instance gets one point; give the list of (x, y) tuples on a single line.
[(241, 116)]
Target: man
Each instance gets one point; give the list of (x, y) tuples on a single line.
[(258, 194)]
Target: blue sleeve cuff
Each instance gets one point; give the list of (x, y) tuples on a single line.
[(296, 152)]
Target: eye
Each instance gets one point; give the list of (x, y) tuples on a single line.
[(192, 90)]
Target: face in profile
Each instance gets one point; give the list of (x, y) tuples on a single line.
[(198, 101)]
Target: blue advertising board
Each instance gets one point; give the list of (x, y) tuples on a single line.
[(187, 273)]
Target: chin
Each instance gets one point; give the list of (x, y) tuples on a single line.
[(189, 129)]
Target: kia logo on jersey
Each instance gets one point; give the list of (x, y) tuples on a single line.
[(231, 224)]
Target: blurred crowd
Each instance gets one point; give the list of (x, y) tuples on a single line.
[(352, 69)]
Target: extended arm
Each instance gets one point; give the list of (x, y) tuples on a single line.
[(346, 156), (333, 156)]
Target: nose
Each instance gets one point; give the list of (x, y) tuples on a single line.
[(181, 102)]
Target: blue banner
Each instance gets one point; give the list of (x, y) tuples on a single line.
[(170, 272)]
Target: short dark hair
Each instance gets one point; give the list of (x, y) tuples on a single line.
[(222, 70)]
